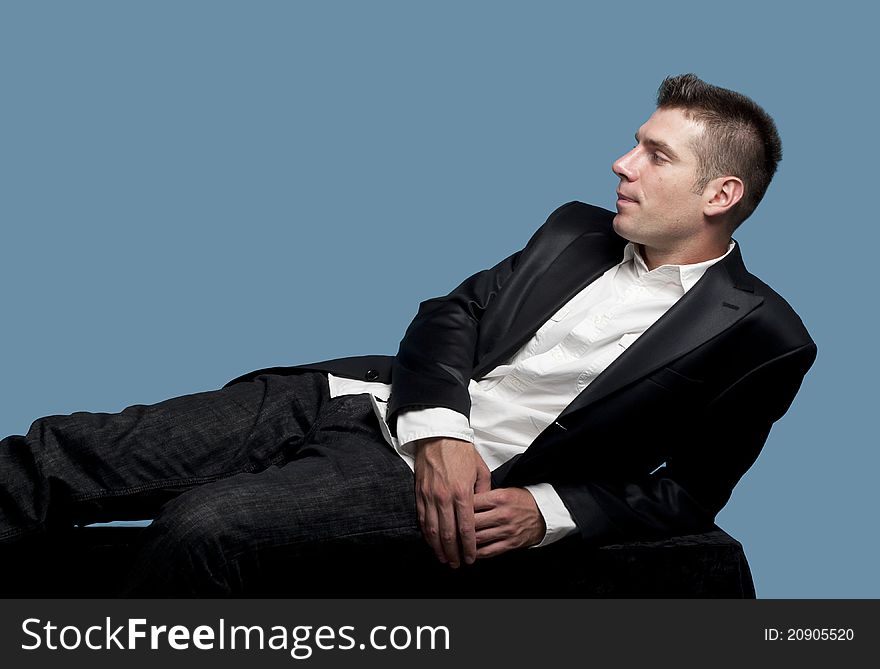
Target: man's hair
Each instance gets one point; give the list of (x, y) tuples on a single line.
[(740, 138)]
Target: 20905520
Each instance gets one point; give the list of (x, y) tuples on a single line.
[(809, 634)]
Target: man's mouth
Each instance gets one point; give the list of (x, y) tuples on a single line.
[(623, 198)]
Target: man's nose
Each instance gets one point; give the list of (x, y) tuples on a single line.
[(624, 167)]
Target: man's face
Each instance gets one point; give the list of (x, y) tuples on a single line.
[(656, 204)]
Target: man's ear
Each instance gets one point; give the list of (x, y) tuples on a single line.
[(722, 194)]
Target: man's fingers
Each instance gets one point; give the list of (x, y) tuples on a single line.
[(490, 535), (488, 500), (448, 532), (494, 549), (507, 519), (487, 518), (464, 511), (484, 478), (447, 473), (430, 527)]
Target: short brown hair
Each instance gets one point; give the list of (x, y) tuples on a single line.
[(740, 137)]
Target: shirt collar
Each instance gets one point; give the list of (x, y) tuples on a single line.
[(684, 275)]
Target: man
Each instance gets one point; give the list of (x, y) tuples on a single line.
[(613, 379)]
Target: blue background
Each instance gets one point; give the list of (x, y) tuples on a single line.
[(190, 190)]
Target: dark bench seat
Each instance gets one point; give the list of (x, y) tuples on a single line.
[(90, 561)]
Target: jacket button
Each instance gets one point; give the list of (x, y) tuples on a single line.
[(371, 375)]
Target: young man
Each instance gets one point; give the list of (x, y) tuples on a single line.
[(615, 379)]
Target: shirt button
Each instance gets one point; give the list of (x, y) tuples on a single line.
[(371, 375)]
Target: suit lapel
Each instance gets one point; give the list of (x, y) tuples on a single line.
[(724, 295), (580, 263)]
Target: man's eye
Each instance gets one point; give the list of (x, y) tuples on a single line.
[(657, 158)]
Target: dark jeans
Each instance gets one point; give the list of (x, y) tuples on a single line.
[(244, 483)]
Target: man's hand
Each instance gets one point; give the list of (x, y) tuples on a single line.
[(507, 518), (447, 474)]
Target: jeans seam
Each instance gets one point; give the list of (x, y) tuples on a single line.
[(102, 494), (238, 554), (337, 407), (14, 532), (307, 436)]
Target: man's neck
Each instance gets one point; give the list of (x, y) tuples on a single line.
[(655, 257)]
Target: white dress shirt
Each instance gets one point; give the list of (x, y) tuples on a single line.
[(513, 403)]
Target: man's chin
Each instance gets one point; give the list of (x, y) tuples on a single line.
[(624, 228), (619, 225)]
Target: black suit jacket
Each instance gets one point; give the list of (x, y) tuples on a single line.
[(655, 444)]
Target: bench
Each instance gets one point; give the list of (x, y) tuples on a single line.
[(89, 561)]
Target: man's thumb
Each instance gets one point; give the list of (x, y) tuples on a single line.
[(484, 479)]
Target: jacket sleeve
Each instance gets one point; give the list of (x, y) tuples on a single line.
[(685, 495), (435, 360)]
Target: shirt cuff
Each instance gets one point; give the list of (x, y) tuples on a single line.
[(431, 423), (556, 516)]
